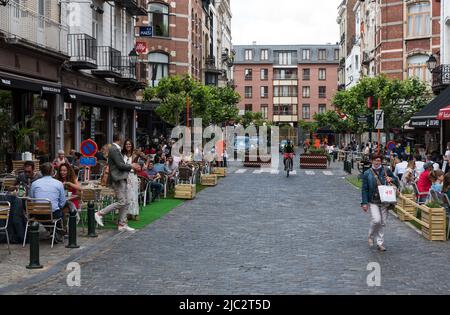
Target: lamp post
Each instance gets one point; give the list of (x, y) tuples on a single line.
[(133, 56), (431, 63)]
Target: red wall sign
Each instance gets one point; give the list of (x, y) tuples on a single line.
[(141, 47)]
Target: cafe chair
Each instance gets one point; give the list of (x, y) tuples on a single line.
[(5, 208), (40, 210)]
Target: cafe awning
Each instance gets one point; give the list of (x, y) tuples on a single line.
[(100, 100), (444, 113), (13, 81), (432, 109)]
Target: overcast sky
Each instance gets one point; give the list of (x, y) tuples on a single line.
[(284, 21)]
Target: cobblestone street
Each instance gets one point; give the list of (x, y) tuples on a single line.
[(263, 234)]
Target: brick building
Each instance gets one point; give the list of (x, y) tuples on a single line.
[(407, 32), (286, 83)]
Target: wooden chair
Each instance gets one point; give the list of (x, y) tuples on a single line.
[(40, 210), (5, 208), (18, 166)]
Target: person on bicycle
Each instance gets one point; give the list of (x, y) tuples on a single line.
[(289, 152)]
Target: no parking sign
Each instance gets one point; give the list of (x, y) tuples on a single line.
[(88, 149)]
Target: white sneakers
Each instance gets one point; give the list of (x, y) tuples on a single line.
[(125, 228), (99, 219), (121, 228)]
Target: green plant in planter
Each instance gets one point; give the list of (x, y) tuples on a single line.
[(433, 204), (315, 151), (22, 134), (407, 191)]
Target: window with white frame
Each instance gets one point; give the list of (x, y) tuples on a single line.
[(158, 67), (417, 67), (322, 54), (248, 54), (159, 19), (248, 92), (419, 21), (306, 92), (306, 114), (322, 108), (285, 58), (264, 91), (264, 74), (264, 54), (306, 54), (248, 74), (265, 111), (322, 74)]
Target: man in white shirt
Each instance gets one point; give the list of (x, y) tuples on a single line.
[(400, 168), (419, 166)]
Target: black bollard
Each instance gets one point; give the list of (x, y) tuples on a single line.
[(34, 247), (91, 220), (73, 229)]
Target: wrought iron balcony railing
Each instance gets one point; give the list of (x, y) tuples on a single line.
[(19, 22), (285, 77), (82, 50), (441, 78), (108, 62), (127, 70), (134, 7)]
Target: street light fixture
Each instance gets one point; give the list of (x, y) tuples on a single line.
[(133, 56), (431, 63)]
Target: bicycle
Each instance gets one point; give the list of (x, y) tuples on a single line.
[(288, 163)]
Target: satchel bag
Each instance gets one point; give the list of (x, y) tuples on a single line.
[(104, 179)]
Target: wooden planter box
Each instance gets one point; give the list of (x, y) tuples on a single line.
[(185, 191), (208, 180), (411, 209), (313, 161), (436, 219), (220, 171)]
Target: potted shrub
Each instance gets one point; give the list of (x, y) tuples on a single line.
[(407, 193), (433, 214), (314, 159), (22, 135)]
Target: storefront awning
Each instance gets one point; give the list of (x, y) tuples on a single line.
[(444, 113), (13, 81), (432, 109), (100, 100)]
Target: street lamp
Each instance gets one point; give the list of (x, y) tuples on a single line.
[(431, 63), (133, 56)]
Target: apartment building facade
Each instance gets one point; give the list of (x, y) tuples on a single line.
[(346, 22), (66, 72), (286, 83)]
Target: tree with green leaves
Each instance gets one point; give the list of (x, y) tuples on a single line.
[(214, 105), (400, 100)]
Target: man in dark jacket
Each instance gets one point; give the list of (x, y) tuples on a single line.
[(372, 178), (118, 175)]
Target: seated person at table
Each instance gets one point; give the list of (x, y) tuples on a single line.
[(446, 186), (61, 159), (153, 175), (160, 166), (66, 175), (49, 188), (28, 176), (172, 168)]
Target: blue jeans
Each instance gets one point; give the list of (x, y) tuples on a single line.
[(157, 188)]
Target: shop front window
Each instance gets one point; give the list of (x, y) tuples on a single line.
[(117, 120), (6, 117), (94, 124), (40, 122)]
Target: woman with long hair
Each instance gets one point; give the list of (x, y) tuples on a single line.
[(409, 178), (66, 175), (130, 156)]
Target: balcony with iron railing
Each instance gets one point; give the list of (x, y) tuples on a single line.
[(285, 76), (108, 62), (127, 72), (82, 50), (441, 78), (21, 25), (134, 7)]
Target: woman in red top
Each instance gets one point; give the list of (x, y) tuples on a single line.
[(66, 175), (424, 182)]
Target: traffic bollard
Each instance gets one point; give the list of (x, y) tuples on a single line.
[(73, 229), (91, 220), (34, 247)]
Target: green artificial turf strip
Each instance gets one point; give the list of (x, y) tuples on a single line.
[(147, 215)]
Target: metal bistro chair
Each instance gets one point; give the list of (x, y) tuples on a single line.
[(40, 210), (5, 208), (144, 189)]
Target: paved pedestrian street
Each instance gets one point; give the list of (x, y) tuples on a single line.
[(262, 233)]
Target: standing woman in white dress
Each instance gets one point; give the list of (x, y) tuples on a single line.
[(133, 184)]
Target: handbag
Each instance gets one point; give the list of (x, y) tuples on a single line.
[(387, 193)]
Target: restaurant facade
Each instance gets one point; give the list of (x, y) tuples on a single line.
[(59, 84)]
